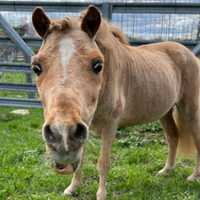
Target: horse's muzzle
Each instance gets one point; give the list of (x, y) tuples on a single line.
[(55, 133), (65, 144)]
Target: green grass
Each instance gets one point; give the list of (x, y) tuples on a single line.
[(9, 77), (138, 153)]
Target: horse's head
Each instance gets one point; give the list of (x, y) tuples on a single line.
[(69, 69)]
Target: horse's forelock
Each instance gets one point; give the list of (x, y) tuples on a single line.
[(59, 25)]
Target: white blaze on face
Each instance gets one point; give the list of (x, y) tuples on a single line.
[(66, 50), (63, 131)]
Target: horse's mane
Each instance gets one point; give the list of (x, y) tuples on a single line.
[(110, 36), (118, 34)]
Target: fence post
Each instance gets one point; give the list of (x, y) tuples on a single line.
[(19, 42), (107, 10)]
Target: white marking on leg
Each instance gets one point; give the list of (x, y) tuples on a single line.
[(66, 51)]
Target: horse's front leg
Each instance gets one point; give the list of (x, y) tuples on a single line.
[(107, 137), (75, 182)]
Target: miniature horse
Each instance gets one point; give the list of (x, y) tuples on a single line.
[(88, 76)]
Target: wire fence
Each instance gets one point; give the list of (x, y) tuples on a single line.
[(158, 26), (149, 26)]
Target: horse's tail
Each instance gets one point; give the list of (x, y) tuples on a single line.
[(186, 146)]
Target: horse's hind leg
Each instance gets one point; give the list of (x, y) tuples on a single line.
[(172, 138)]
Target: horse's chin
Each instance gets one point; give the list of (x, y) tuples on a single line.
[(65, 169)]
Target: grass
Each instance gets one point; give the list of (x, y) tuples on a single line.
[(13, 78), (138, 153)]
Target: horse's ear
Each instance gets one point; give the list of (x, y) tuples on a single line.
[(40, 21), (91, 21)]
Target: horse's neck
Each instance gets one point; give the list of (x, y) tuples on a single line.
[(119, 58), (116, 69)]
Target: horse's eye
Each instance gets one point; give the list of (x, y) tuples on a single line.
[(96, 66), (37, 69)]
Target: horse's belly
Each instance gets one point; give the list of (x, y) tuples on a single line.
[(150, 101), (136, 116)]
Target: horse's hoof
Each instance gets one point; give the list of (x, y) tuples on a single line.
[(101, 195), (101, 198), (193, 178), (68, 192), (164, 172)]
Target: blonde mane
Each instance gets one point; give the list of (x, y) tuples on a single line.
[(108, 34), (118, 34)]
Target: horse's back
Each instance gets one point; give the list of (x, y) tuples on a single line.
[(159, 79), (178, 57), (170, 52)]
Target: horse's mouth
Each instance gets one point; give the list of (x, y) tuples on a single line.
[(65, 168)]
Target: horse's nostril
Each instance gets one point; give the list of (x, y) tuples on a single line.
[(49, 134), (80, 131)]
